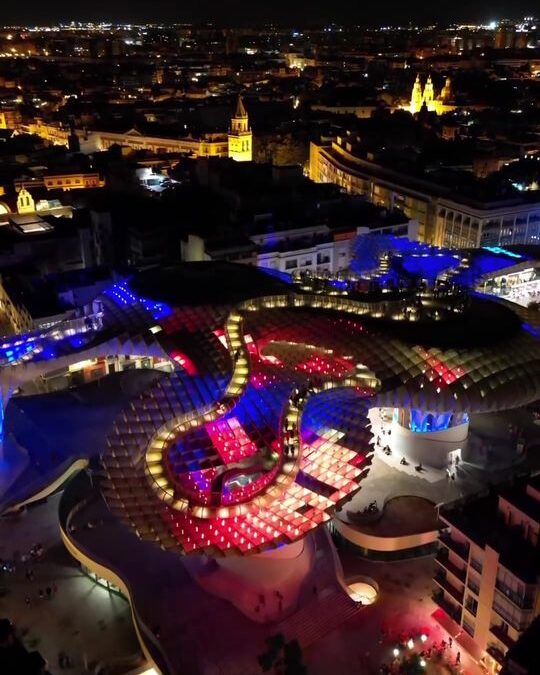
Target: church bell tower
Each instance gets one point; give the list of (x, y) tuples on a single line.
[(429, 94), (417, 96), (240, 136)]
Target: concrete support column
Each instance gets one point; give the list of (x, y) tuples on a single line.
[(429, 437)]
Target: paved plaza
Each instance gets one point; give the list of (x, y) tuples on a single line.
[(90, 624), (404, 607), (388, 478), (94, 626)]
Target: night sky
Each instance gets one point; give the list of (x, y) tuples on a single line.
[(288, 12)]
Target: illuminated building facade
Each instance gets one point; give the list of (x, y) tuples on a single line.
[(240, 137), (444, 218), (25, 202), (10, 118), (237, 144), (487, 577), (61, 181), (425, 96)]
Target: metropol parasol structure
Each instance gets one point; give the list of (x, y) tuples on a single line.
[(261, 430)]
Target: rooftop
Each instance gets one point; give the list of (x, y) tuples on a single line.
[(205, 283), (458, 185)]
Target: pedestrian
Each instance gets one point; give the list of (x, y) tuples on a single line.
[(450, 641), (48, 591), (41, 594), (458, 658)]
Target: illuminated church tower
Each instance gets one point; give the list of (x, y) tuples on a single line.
[(417, 97), (429, 94), (446, 91), (425, 96), (240, 135)]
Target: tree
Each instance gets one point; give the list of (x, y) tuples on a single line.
[(285, 654)]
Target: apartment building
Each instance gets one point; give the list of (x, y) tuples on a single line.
[(488, 571), (76, 180), (445, 217)]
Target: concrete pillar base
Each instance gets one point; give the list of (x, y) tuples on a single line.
[(430, 448), (264, 587)]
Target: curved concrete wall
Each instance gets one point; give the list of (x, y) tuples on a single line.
[(111, 577), (384, 544), (430, 448)]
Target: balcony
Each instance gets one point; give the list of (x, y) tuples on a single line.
[(473, 586), (523, 602), (476, 565), (496, 653), (450, 609), (443, 582), (458, 572), (471, 607), (467, 627), (507, 615), (502, 636), (462, 550)]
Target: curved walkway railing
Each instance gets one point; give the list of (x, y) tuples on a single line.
[(37, 489), (67, 510), (351, 530)]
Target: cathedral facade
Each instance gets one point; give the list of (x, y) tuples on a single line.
[(425, 96)]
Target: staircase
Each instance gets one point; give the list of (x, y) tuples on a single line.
[(319, 617)]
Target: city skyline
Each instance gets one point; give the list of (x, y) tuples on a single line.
[(240, 12)]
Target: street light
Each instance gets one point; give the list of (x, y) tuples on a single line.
[(395, 652), (410, 643), (422, 663), (423, 637)]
